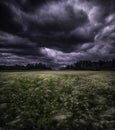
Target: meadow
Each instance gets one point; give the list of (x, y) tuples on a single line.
[(57, 100)]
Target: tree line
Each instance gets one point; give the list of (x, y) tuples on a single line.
[(92, 65), (37, 66), (81, 65)]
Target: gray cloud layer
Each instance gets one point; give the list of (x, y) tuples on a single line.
[(56, 32)]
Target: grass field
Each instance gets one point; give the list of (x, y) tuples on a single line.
[(57, 100)]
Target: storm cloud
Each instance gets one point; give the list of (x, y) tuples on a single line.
[(56, 32)]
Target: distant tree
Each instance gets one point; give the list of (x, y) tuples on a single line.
[(92, 65), (37, 66)]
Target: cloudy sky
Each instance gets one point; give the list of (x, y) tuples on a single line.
[(56, 32)]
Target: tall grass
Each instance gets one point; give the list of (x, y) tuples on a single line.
[(57, 100)]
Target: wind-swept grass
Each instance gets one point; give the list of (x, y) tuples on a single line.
[(67, 100)]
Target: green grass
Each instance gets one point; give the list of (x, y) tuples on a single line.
[(57, 100)]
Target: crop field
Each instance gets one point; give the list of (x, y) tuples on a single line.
[(57, 100)]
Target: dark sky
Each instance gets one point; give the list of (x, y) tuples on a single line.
[(56, 32)]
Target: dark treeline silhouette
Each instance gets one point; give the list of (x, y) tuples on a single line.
[(81, 65), (36, 66), (91, 65)]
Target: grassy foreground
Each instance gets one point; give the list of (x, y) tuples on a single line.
[(57, 100)]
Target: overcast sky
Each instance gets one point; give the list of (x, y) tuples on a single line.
[(56, 32)]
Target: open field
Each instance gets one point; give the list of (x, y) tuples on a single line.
[(57, 100)]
